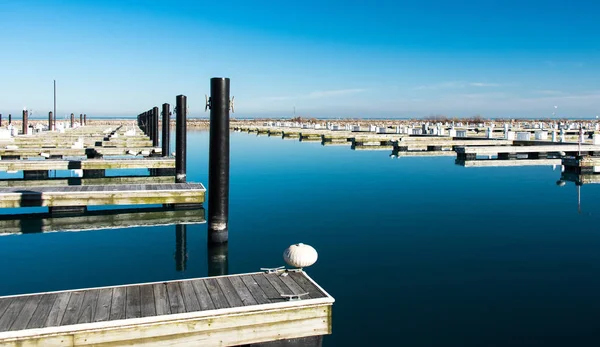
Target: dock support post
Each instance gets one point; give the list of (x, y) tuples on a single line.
[(72, 120), (218, 162), (166, 122), (149, 124), (9, 119), (0, 119), (80, 119), (84, 119), (218, 259), (180, 247), (155, 126), (180, 139), (50, 128), (25, 122)]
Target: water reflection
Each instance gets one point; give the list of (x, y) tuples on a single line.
[(181, 247), (218, 259)]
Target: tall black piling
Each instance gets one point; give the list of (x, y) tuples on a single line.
[(180, 247), (166, 131), (0, 119), (9, 119), (84, 119), (50, 128), (25, 122), (180, 138), (80, 119), (218, 162), (72, 120), (155, 126)]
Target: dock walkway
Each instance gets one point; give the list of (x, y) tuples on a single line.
[(117, 194), (224, 311)]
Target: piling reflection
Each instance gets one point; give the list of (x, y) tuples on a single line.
[(181, 247), (218, 259)]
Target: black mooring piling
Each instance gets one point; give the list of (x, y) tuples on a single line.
[(180, 138), (25, 122), (72, 120), (84, 119), (166, 131), (50, 120), (9, 119), (0, 119), (81, 119), (155, 126), (218, 162)]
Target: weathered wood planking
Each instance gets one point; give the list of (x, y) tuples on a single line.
[(507, 163), (78, 181), (88, 164), (556, 148), (78, 152), (174, 312), (96, 220), (125, 194)]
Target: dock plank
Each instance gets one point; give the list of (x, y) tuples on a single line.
[(117, 305), (4, 303), (133, 308), (58, 309), (88, 306), (11, 312), (148, 307), (161, 299), (26, 313), (281, 287), (40, 316), (229, 291), (242, 291), (204, 298), (190, 299), (73, 308), (259, 295), (306, 285), (296, 289), (216, 294), (175, 298), (103, 305), (271, 292)]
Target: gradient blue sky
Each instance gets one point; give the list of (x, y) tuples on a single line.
[(327, 58)]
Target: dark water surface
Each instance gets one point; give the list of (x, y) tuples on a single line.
[(416, 251)]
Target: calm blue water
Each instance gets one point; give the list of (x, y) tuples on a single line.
[(416, 251)]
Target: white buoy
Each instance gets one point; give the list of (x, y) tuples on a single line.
[(300, 255)]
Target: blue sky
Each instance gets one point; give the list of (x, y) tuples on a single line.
[(327, 58)]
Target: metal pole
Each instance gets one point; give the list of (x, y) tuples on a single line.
[(9, 119), (180, 139), (49, 121), (80, 120), (25, 121), (218, 166), (155, 126), (0, 119), (166, 120), (72, 120), (84, 119)]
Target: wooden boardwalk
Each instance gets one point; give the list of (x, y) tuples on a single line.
[(83, 181), (89, 164), (215, 311), (118, 194)]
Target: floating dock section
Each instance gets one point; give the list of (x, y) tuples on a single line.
[(215, 311)]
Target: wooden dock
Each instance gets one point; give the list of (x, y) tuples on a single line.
[(89, 164), (101, 219), (125, 194), (510, 152), (507, 163), (582, 165), (216, 311)]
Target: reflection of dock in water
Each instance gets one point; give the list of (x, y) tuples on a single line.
[(100, 219)]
